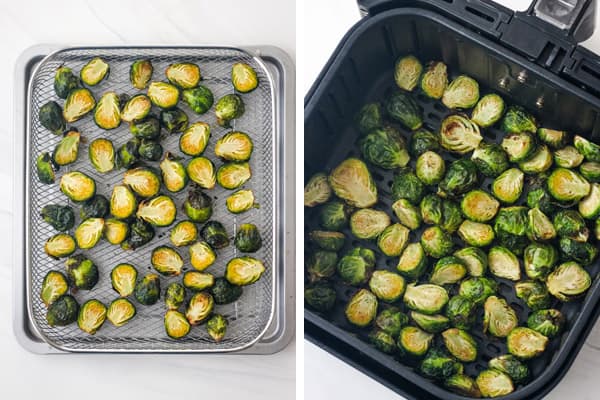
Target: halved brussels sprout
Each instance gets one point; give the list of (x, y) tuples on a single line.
[(554, 138), (108, 111), (147, 291), (141, 233), (216, 327), (479, 206), (539, 260), (431, 209), (228, 107), (214, 233), (539, 197), (368, 223), (198, 206), (590, 150), (242, 271), (166, 261), (199, 308), (476, 233), (184, 233), (517, 120), (511, 366), (148, 128), (63, 311), (583, 253), (569, 223), (461, 312), (429, 323), (89, 232), (402, 108), (159, 211), (407, 213), (123, 278), (92, 315), (477, 289), (174, 120), (430, 168), (94, 71), (317, 190), (392, 239), (568, 281), (539, 162), (194, 139), (539, 227), (333, 215), (176, 324), (383, 341), (511, 227), (407, 72), (350, 180), (202, 171), (102, 155), (566, 185), (490, 159), (51, 118), (406, 185), (197, 281), (414, 342), (173, 173), (60, 245), (120, 312), (127, 154), (82, 272), (361, 308), (391, 320), (568, 157), (533, 293), (426, 298), (142, 181), (96, 207), (412, 262), (174, 296), (493, 383), (369, 117), (547, 322), (326, 240), (448, 270), (591, 171), (200, 99), (54, 286), (248, 239), (499, 319), (387, 286), (202, 256), (436, 242), (140, 73), (440, 365), (234, 146), (460, 135), (225, 293), (356, 266), (462, 92), (233, 175), (321, 264), (435, 80), (422, 141), (519, 146), (460, 344), (488, 111), (463, 385), (243, 77), (460, 178), (66, 151), (589, 206), (474, 259), (184, 75), (77, 186), (504, 263), (163, 95), (526, 343), (122, 202), (136, 109), (65, 82)]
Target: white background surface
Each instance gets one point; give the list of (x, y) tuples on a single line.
[(113, 22), (326, 21)]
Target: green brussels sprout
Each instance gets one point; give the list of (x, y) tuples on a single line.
[(448, 270), (526, 343), (51, 118), (476, 233), (407, 72), (436, 242), (369, 117), (517, 120), (63, 311), (148, 128), (199, 308), (214, 233), (533, 293), (590, 170), (412, 262), (202, 171), (430, 168), (431, 209), (407, 214), (422, 141), (94, 71), (233, 175), (426, 298), (383, 341), (197, 281), (234, 146), (92, 315), (519, 146), (402, 108), (231, 106), (570, 224), (460, 344), (362, 308), (176, 324), (461, 312), (406, 185), (115, 231), (120, 311), (479, 206), (539, 260), (355, 267), (54, 286), (194, 139), (108, 111), (123, 278), (326, 240), (451, 216), (140, 73), (77, 186), (174, 296), (566, 185), (568, 281), (66, 151), (198, 206), (547, 322), (499, 319), (583, 253), (136, 109), (333, 215), (393, 239), (60, 245), (462, 92), (477, 289), (174, 120), (589, 206), (216, 327), (89, 232), (539, 227), (321, 264), (430, 323), (488, 110), (163, 95), (511, 228), (540, 198), (143, 181), (243, 77), (45, 168), (248, 239), (82, 272), (147, 290), (539, 162), (439, 365), (555, 139), (202, 256), (387, 286), (391, 320), (385, 148), (127, 155), (414, 342), (435, 80), (122, 202), (65, 82), (242, 271), (224, 292), (568, 157), (183, 75), (200, 99), (96, 207), (490, 159), (368, 223), (102, 155), (166, 261), (493, 383), (78, 104), (158, 211), (351, 181), (504, 263), (511, 366), (317, 190), (509, 185), (141, 233), (474, 259), (463, 385), (460, 178), (590, 150), (460, 135), (184, 233)]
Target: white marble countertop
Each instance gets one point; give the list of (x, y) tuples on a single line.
[(114, 22), (321, 369)]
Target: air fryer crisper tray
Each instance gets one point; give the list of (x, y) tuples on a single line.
[(250, 316)]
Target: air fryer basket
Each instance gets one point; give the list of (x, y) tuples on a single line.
[(361, 71)]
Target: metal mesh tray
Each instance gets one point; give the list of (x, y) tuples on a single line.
[(248, 317)]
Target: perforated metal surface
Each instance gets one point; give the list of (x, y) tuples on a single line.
[(250, 315)]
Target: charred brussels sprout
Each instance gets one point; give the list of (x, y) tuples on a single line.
[(539, 227), (519, 146), (590, 150), (148, 128), (526, 343), (462, 384), (499, 319), (176, 324), (142, 181), (184, 233), (53, 287), (461, 312), (123, 278), (568, 281), (591, 171), (174, 296), (511, 227), (361, 308), (368, 223), (200, 99), (63, 311), (407, 72), (234, 146), (430, 168), (216, 327), (233, 175), (214, 233), (393, 239), (174, 120), (460, 344), (436, 242), (462, 92), (448, 270), (553, 138), (583, 253), (539, 197), (351, 181), (383, 341), (568, 157), (533, 293), (589, 206), (166, 261), (51, 118), (228, 107), (197, 281), (136, 109), (140, 73), (477, 289), (183, 75), (493, 383), (202, 171), (474, 259), (479, 206), (460, 135), (326, 240), (391, 320), (539, 162), (385, 148), (65, 82), (460, 178), (243, 77), (224, 292), (402, 108), (414, 342), (82, 272), (539, 260), (491, 159), (163, 95), (407, 185), (488, 111), (387, 286), (198, 206), (199, 308), (511, 366), (317, 190), (102, 155), (173, 173), (321, 264), (430, 323), (356, 266), (66, 151), (202, 256), (78, 104), (422, 141), (59, 217), (120, 312), (194, 139), (122, 202), (547, 322), (426, 298), (570, 224), (127, 155), (147, 290), (408, 214), (141, 233), (435, 80), (248, 239), (412, 262), (504, 263), (518, 120), (438, 364), (89, 232), (77, 186), (108, 111), (333, 216), (369, 117), (242, 271), (159, 211), (96, 207), (94, 71)]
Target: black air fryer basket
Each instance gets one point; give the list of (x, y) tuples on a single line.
[(530, 58)]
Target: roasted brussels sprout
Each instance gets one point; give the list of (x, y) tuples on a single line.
[(60, 245), (460, 344), (408, 214), (163, 95), (122, 202), (369, 117), (228, 107), (461, 312), (443, 212), (570, 224), (504, 263), (474, 259), (234, 146), (243, 77), (589, 206), (202, 256), (493, 383), (391, 320), (92, 315), (127, 155), (547, 322), (102, 155), (479, 206), (136, 109), (202, 171), (462, 92), (438, 364), (214, 233), (184, 233), (583, 253), (460, 178), (488, 111), (553, 138), (317, 190), (147, 290), (422, 141), (77, 186), (436, 242), (539, 162), (406, 185), (517, 120), (216, 327), (519, 146), (200, 99), (362, 308), (435, 80), (511, 227), (526, 343), (590, 150), (94, 71), (539, 260), (174, 120), (141, 233), (108, 111), (158, 211), (197, 281), (533, 293), (392, 239), (459, 135), (429, 323), (176, 324), (463, 385), (499, 319), (242, 271), (148, 128), (490, 159), (54, 286), (326, 240), (78, 104), (65, 82), (140, 73), (248, 239), (233, 175), (224, 292), (385, 148), (120, 312), (477, 289), (199, 308), (123, 278), (568, 157), (333, 216), (590, 170), (430, 168), (198, 206), (402, 108), (448, 270), (51, 118), (63, 311), (426, 298), (568, 281), (183, 75), (539, 197), (387, 286), (355, 267), (321, 264), (166, 261), (350, 180), (539, 226), (511, 366), (414, 342), (412, 262), (66, 151), (194, 139), (383, 341), (89, 232), (567, 186), (407, 72), (174, 296), (143, 181)]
